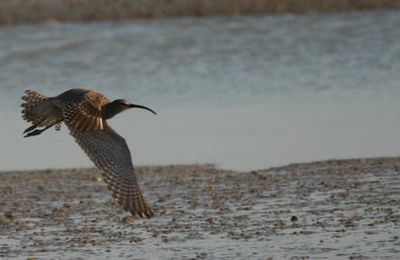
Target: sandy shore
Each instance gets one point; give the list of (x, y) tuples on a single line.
[(348, 208)]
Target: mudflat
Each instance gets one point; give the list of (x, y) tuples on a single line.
[(338, 208)]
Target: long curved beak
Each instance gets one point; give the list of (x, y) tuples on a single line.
[(142, 107)]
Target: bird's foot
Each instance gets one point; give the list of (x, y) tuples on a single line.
[(33, 133), (29, 129)]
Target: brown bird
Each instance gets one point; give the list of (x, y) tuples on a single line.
[(85, 113)]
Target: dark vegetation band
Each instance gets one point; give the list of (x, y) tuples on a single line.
[(42, 11)]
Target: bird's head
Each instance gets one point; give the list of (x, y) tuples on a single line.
[(119, 105)]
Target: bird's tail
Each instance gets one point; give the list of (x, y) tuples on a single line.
[(39, 110)]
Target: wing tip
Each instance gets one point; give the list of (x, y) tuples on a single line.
[(146, 213)]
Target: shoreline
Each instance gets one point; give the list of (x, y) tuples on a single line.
[(215, 166), (335, 208), (64, 11)]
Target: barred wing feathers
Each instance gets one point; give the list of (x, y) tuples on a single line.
[(110, 153), (85, 112)]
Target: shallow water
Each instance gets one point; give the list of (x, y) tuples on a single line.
[(244, 93)]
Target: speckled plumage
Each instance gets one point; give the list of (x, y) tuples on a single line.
[(81, 111)]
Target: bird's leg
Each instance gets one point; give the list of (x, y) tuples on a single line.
[(32, 127), (37, 131)]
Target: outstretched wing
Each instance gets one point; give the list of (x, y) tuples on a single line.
[(110, 153)]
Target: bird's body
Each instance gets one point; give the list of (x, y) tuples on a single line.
[(85, 113)]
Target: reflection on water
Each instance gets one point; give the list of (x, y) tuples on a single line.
[(244, 93)]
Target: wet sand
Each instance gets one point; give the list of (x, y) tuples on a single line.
[(342, 209)]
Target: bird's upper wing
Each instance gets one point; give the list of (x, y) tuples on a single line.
[(111, 155), (85, 113)]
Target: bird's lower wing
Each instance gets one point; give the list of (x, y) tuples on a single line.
[(110, 153)]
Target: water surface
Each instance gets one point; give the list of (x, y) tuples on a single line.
[(244, 93)]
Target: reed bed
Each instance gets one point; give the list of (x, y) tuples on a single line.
[(38, 11)]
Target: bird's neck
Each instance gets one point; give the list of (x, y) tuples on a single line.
[(110, 110)]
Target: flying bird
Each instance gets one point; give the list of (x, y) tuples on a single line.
[(85, 113)]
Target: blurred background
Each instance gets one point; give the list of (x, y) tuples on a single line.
[(241, 84)]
